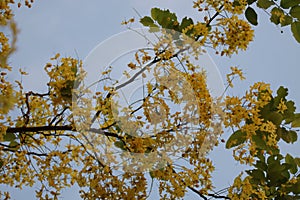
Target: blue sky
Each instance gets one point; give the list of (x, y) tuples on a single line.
[(75, 27)]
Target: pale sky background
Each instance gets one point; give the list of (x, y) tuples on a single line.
[(70, 26)]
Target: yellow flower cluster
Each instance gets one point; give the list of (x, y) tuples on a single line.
[(268, 127), (237, 114), (235, 7), (238, 34), (243, 114), (173, 185), (165, 47), (230, 76), (202, 102), (64, 78), (242, 189), (198, 30), (260, 94), (230, 33), (39, 107), (5, 11), (5, 49), (64, 157), (17, 170), (215, 4), (281, 107), (156, 111), (126, 22), (8, 96)]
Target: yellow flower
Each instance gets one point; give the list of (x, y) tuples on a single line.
[(281, 107), (268, 127), (238, 35), (237, 8), (234, 71), (271, 140)]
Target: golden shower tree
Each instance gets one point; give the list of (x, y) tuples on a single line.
[(72, 135)]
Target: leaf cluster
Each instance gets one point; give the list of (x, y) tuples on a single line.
[(285, 13), (166, 20), (273, 170)]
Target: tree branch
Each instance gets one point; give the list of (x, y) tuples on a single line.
[(32, 153), (58, 128)]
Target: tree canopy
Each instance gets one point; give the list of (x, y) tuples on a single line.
[(82, 133)]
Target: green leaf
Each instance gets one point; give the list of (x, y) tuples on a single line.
[(281, 131), (265, 4), (256, 174), (13, 145), (236, 3), (165, 18), (259, 141), (185, 22), (295, 27), (261, 156), (250, 1), (297, 116), (289, 120), (8, 137), (275, 117), (286, 173), (290, 109), (265, 111), (275, 13), (287, 20), (154, 29), (66, 92), (147, 21), (251, 16), (282, 92), (297, 161), (1, 163), (120, 145), (277, 173), (296, 187), (296, 123), (274, 150), (295, 12), (289, 136), (293, 165), (274, 159), (155, 13), (74, 69), (289, 3), (261, 165), (237, 138), (293, 135), (152, 174), (274, 175)]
